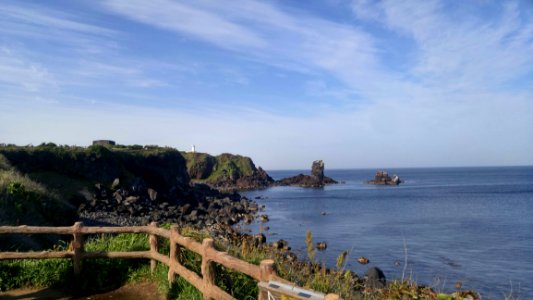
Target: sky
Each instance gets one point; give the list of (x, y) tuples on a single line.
[(358, 84)]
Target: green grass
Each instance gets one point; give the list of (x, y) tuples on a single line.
[(104, 274)]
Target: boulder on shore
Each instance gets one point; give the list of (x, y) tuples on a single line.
[(375, 279)]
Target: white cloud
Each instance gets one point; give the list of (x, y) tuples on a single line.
[(28, 76), (449, 106), (34, 18), (266, 34), (458, 53), (187, 19)]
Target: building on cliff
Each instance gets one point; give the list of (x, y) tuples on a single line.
[(104, 142)]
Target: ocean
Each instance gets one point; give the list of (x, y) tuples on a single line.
[(473, 225)]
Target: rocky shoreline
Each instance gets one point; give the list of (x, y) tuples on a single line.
[(201, 206), (205, 208)]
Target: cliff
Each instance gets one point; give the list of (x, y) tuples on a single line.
[(226, 171), (122, 185), (161, 169)]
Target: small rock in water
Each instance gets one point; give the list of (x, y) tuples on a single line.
[(458, 285), (397, 263), (323, 213), (321, 246), (363, 260)]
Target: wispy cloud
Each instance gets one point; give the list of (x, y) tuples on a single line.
[(36, 17), (47, 54), (266, 34), (187, 19), (40, 23), (458, 52), (398, 83), (17, 72)]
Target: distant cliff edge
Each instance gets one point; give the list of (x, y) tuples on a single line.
[(226, 171)]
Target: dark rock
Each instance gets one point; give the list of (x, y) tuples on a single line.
[(118, 197), (259, 239), (185, 209), (152, 194), (253, 207), (375, 279), (115, 184), (317, 170), (315, 180), (280, 244), (321, 246), (291, 257), (383, 178), (85, 194), (138, 186), (363, 260), (100, 191), (248, 219), (131, 199), (264, 218)]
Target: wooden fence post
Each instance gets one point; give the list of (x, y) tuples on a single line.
[(208, 268), (332, 297), (266, 268), (174, 233), (77, 247), (154, 247)]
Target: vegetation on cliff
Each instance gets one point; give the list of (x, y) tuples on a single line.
[(159, 167), (226, 171)]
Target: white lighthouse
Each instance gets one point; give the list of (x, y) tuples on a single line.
[(193, 149)]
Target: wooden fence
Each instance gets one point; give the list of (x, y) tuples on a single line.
[(205, 284)]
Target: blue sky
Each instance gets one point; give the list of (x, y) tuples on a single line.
[(359, 84)]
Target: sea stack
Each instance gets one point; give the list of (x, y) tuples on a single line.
[(316, 179), (317, 170)]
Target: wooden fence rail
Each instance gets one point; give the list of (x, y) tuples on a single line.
[(205, 284)]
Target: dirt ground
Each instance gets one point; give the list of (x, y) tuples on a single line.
[(143, 290)]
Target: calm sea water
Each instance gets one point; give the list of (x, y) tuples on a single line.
[(473, 225)]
